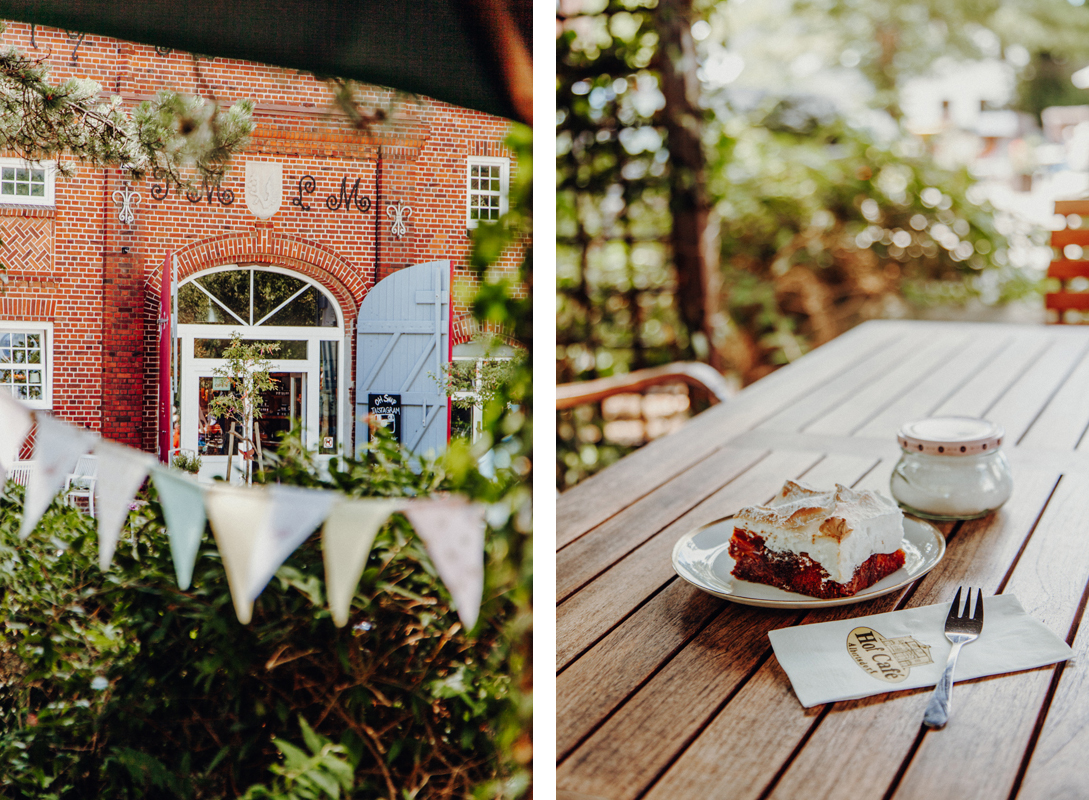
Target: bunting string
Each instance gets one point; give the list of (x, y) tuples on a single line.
[(255, 529)]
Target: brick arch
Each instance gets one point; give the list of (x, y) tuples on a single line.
[(344, 281), (466, 328)]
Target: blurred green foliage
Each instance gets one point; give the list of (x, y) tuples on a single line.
[(817, 223)]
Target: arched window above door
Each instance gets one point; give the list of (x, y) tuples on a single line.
[(254, 296)]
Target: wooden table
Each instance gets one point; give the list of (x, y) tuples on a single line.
[(666, 692)]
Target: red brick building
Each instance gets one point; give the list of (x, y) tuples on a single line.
[(350, 208)]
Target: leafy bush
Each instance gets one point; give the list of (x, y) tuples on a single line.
[(823, 227), (120, 685)]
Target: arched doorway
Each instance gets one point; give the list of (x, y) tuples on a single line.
[(265, 304)]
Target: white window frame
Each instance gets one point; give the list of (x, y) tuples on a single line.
[(504, 184), (50, 168), (46, 331), (474, 393), (193, 368)]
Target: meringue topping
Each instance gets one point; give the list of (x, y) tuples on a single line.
[(839, 529)]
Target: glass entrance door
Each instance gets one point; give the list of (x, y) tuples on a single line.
[(283, 408)]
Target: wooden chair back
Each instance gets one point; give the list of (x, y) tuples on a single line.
[(1070, 303)]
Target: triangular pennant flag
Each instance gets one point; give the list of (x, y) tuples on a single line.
[(121, 471), (57, 448), (15, 423), (453, 531), (238, 517), (296, 513), (183, 507), (346, 542)]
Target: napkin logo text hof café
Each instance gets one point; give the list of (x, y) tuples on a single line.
[(888, 660)]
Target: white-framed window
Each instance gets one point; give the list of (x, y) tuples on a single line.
[(26, 362), (27, 182), (470, 362), (487, 183)]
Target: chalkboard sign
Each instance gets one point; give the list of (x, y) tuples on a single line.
[(385, 409)]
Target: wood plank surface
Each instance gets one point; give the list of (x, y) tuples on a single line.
[(839, 752), (869, 370), (599, 497), (848, 416), (629, 750), (1057, 766), (1065, 416), (1022, 403), (588, 556), (581, 689), (666, 692), (589, 689), (922, 397), (977, 395), (617, 592), (980, 752), (616, 666)]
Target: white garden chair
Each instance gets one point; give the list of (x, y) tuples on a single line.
[(20, 472), (80, 484)]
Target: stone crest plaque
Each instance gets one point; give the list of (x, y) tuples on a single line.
[(264, 187)]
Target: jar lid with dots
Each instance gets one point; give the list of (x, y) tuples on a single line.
[(951, 436)]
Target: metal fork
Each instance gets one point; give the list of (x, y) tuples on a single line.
[(960, 629)]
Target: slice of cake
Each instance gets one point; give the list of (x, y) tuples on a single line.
[(820, 543)]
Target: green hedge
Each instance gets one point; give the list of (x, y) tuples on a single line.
[(120, 685)]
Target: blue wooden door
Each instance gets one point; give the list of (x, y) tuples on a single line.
[(402, 342)]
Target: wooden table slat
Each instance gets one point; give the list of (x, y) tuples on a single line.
[(1064, 418), (922, 397), (587, 505), (599, 607), (1049, 581), (799, 414), (588, 556), (977, 396), (1018, 408), (846, 417)]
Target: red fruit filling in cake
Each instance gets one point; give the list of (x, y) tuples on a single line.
[(800, 573), (824, 544)]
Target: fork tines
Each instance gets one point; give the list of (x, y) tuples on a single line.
[(955, 611)]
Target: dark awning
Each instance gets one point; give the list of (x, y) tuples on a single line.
[(460, 51)]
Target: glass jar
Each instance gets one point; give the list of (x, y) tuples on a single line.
[(951, 468)]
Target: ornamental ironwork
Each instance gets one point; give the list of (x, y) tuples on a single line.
[(306, 185), (160, 191), (347, 197), (399, 213), (127, 198)]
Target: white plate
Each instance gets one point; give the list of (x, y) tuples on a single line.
[(702, 558)]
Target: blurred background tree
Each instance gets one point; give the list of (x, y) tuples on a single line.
[(738, 182)]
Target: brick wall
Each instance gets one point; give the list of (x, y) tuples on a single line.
[(97, 278)]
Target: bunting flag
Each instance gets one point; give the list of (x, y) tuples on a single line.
[(57, 448), (295, 513), (452, 529), (183, 507), (238, 516), (121, 472), (346, 541), (256, 529), (15, 424)]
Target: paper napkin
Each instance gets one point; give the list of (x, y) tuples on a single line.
[(852, 658)]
